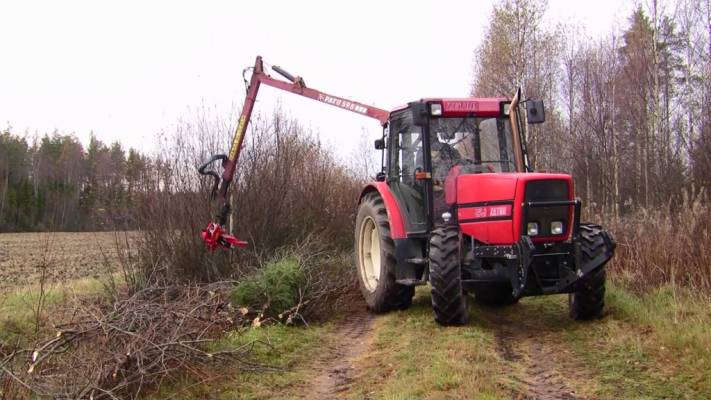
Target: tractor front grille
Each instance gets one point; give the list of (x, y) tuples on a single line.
[(547, 191)]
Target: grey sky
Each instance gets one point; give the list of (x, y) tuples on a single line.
[(129, 69)]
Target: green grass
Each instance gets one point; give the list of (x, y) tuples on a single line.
[(648, 346), (414, 358), (18, 307), (652, 346), (288, 350), (411, 357)]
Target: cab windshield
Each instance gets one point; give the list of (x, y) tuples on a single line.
[(476, 144)]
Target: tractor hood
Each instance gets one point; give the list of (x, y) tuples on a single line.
[(489, 206)]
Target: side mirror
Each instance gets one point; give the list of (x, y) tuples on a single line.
[(535, 111), (419, 113), (379, 144)]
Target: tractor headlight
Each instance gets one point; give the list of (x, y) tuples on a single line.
[(557, 227), (436, 109), (532, 228)]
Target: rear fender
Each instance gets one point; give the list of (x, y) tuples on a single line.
[(397, 225)]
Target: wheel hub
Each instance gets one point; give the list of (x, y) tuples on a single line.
[(369, 253)]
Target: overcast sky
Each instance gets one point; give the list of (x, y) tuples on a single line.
[(127, 70)]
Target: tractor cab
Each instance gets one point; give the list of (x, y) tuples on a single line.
[(433, 141)]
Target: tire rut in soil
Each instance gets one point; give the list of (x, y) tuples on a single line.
[(545, 375), (337, 370)]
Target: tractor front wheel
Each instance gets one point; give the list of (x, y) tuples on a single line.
[(588, 301), (375, 258), (448, 298)]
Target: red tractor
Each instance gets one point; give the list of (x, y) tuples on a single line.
[(457, 203)]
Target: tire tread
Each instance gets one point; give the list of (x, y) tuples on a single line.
[(588, 301), (448, 299)]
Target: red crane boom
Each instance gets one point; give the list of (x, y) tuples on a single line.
[(214, 234)]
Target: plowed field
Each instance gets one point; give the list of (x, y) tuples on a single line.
[(66, 255)]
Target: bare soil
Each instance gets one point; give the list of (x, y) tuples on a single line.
[(67, 255), (548, 372), (338, 369)]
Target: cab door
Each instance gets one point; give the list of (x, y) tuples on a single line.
[(406, 159)]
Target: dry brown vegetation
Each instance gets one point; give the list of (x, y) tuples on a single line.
[(155, 334), (657, 248), (288, 187)]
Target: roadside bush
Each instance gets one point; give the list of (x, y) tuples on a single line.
[(290, 186), (273, 290), (287, 187), (657, 248), (303, 282)]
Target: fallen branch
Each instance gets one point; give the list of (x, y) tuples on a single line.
[(116, 350)]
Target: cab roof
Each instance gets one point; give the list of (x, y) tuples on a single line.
[(464, 106)]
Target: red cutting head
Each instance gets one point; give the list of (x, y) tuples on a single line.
[(213, 236)]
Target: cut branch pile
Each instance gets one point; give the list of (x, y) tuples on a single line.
[(330, 281), (118, 350)]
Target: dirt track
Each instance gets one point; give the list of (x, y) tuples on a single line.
[(526, 340), (531, 345), (338, 369), (543, 375)]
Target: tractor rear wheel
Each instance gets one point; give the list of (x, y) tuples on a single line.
[(589, 300), (448, 298), (375, 258)]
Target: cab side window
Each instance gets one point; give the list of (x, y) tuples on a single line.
[(407, 156)]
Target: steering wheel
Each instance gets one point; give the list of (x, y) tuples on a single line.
[(464, 161)]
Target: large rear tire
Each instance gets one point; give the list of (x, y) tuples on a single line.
[(588, 301), (375, 258), (448, 299)]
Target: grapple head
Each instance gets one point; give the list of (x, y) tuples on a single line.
[(214, 236)]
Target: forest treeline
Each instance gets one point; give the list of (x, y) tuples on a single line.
[(54, 183), (629, 113)]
